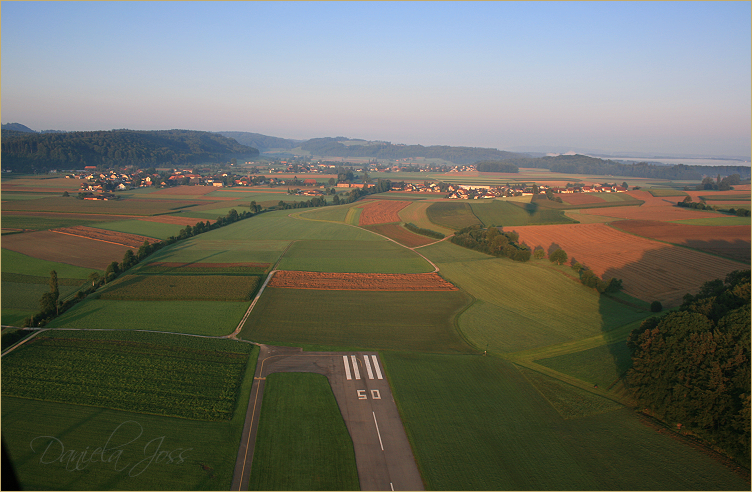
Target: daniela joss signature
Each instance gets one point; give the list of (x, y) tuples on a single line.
[(114, 451)]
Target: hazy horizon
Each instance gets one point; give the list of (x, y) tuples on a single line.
[(668, 78)]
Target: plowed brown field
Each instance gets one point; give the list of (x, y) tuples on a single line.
[(650, 270), (663, 208), (123, 238), (73, 250), (381, 212), (360, 281), (401, 235), (731, 241)]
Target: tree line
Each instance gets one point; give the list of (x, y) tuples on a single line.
[(701, 205), (691, 367), (29, 152), (492, 241)]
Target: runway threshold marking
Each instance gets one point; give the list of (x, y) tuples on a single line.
[(368, 367), (347, 368), (355, 367), (376, 366), (377, 430)]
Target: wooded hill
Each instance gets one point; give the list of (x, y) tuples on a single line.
[(262, 142), (691, 368), (29, 152)]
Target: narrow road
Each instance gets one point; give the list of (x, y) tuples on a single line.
[(382, 452)]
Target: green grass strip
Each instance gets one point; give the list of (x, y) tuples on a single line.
[(302, 441)]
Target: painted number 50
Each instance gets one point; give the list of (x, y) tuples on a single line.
[(375, 395)]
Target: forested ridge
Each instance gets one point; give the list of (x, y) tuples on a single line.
[(691, 368), (26, 152)]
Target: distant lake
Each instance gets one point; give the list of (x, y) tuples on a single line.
[(688, 162)]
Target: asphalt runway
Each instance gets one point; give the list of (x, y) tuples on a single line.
[(382, 452)]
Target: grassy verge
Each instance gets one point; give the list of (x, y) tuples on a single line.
[(302, 441)]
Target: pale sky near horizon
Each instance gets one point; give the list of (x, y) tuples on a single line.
[(663, 77)]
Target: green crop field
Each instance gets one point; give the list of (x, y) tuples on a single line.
[(476, 423), (340, 319), (601, 365), (415, 213), (452, 215), (380, 256), (741, 197), (48, 222), (502, 213), (180, 288), (25, 296), (662, 192), (302, 441), (336, 213), (70, 204), (524, 305), (19, 263), (27, 196), (137, 377), (143, 228), (212, 318), (716, 221), (140, 451)]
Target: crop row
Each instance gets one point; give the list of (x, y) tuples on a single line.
[(181, 287), (139, 377)]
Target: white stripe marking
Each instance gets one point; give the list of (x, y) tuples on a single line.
[(376, 366), (347, 368), (377, 430), (355, 367), (368, 367), (391, 485)]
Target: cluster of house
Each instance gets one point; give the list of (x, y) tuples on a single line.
[(476, 192)]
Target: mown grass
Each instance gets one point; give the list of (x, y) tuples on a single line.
[(13, 262), (26, 296), (212, 248), (143, 228), (601, 365), (203, 452), (662, 192), (212, 318), (301, 427), (452, 215), (476, 423), (415, 213), (14, 316), (180, 288), (521, 306), (336, 213), (422, 321), (380, 256), (140, 377), (502, 213)]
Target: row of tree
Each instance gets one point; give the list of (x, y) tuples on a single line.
[(424, 232), (719, 184), (587, 277), (691, 367), (701, 205)]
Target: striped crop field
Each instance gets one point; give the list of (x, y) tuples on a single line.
[(650, 270), (381, 212), (151, 228), (196, 268), (403, 236), (663, 207), (503, 213), (180, 288), (415, 213), (452, 215)]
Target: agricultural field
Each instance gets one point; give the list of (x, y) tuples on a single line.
[(452, 215), (64, 248), (504, 213), (301, 426), (661, 192), (731, 241), (107, 236), (180, 288), (340, 319), (478, 423), (134, 206), (148, 452), (152, 229), (41, 222), (14, 262), (663, 207), (381, 212), (195, 268), (397, 232), (650, 270), (209, 318), (360, 281), (415, 213), (381, 256)]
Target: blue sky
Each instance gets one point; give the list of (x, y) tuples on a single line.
[(663, 77)]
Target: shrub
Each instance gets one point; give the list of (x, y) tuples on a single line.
[(656, 307)]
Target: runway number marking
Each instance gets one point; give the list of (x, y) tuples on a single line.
[(375, 394), (347, 368), (362, 395)]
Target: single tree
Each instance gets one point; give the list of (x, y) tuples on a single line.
[(656, 307), (94, 277), (558, 256)]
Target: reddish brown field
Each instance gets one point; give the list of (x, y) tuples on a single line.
[(114, 237), (650, 270), (381, 211), (580, 198), (360, 281), (663, 208), (184, 190), (401, 235), (730, 241), (73, 250)]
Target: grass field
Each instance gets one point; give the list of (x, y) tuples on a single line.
[(25, 296), (212, 318), (212, 248), (380, 256), (14, 262), (716, 221), (47, 222), (452, 215), (180, 288), (740, 197), (661, 192), (301, 427), (136, 206), (343, 320), (476, 423), (143, 228), (336, 213), (146, 452), (502, 213), (415, 213)]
